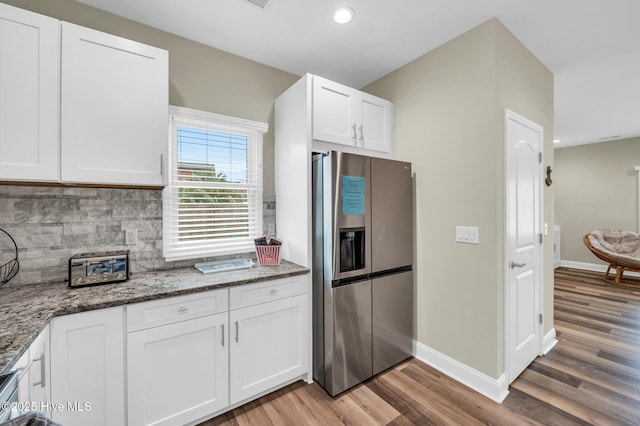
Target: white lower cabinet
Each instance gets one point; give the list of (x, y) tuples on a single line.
[(188, 358), (178, 373), (34, 375), (269, 346), (177, 367), (87, 368)]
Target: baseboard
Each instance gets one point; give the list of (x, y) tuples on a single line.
[(549, 341), (597, 267), (494, 389)]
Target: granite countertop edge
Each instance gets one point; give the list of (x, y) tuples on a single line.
[(26, 310)]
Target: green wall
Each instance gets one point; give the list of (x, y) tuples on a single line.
[(449, 122), (596, 188)]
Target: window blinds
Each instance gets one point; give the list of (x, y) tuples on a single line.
[(213, 203)]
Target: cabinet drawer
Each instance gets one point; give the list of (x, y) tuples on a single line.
[(253, 294), (155, 313)]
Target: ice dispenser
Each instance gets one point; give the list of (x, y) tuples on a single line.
[(352, 249)]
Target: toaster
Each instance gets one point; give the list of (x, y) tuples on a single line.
[(99, 268)]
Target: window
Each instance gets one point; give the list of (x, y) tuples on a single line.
[(212, 204)]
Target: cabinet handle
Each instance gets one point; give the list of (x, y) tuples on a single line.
[(361, 134), (223, 335), (237, 332), (517, 265), (161, 164), (273, 292), (182, 310), (355, 135), (42, 372)]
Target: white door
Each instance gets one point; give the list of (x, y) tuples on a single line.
[(523, 242)]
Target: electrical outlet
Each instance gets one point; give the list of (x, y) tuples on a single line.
[(130, 236)]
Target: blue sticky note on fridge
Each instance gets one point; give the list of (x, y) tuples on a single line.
[(352, 195)]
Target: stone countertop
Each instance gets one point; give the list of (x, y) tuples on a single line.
[(26, 310)]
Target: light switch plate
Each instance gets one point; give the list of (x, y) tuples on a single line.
[(468, 234)]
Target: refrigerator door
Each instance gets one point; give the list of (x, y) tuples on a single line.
[(348, 232), (348, 353), (391, 217), (392, 300)]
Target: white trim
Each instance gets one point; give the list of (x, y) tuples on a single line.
[(173, 249), (186, 114), (494, 389), (549, 341), (596, 267)]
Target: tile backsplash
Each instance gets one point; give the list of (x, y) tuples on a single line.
[(52, 223)]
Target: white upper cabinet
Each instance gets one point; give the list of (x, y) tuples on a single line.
[(346, 116), (375, 131), (334, 115), (78, 105), (114, 117), (29, 95)]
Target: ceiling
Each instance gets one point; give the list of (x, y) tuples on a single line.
[(591, 46)]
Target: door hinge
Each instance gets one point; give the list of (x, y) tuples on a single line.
[(540, 157), (540, 318)]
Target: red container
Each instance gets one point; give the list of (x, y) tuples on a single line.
[(268, 255)]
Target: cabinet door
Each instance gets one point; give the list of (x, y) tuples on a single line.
[(114, 114), (22, 367), (178, 373), (33, 375), (334, 112), (269, 346), (87, 374), (39, 373), (29, 95), (375, 131)]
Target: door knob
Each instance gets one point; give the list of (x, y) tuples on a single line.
[(517, 265)]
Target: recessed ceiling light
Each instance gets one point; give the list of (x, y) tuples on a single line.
[(556, 140), (343, 14)]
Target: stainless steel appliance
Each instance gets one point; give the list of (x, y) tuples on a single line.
[(8, 396), (362, 267), (99, 268)]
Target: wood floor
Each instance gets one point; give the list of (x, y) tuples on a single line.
[(592, 376)]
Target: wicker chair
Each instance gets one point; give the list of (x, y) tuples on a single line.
[(621, 250)]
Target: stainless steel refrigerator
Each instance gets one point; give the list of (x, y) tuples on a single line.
[(362, 267)]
